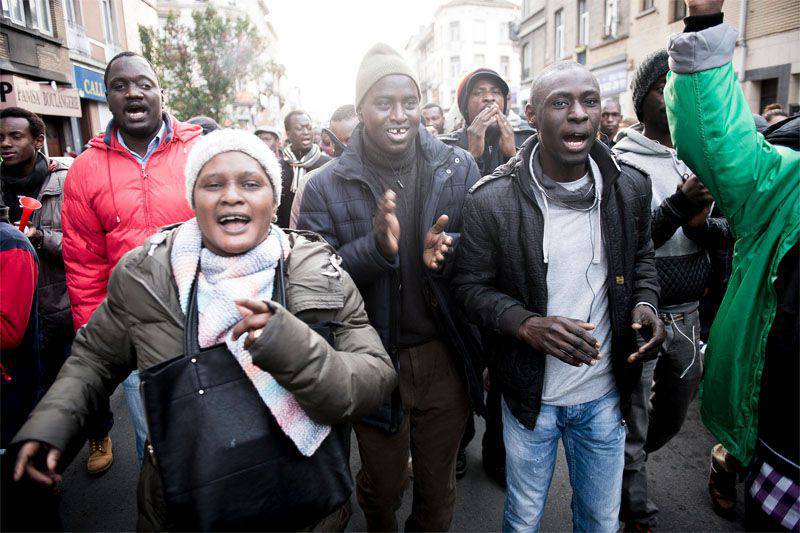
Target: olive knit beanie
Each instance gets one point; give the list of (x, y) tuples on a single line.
[(651, 68), (380, 61)]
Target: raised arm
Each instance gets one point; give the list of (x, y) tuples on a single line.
[(713, 130)]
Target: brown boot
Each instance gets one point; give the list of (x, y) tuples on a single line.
[(100, 456), (722, 481)]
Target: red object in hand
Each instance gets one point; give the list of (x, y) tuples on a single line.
[(28, 205)]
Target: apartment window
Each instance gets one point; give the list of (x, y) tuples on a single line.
[(34, 14), (72, 10), (505, 67), (455, 31), (480, 60), (108, 21), (479, 31), (14, 10), (648, 4), (504, 33), (611, 26), (40, 16), (526, 8), (583, 23), (455, 66), (526, 61), (559, 34), (678, 10)]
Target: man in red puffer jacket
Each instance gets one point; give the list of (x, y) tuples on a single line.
[(127, 185)]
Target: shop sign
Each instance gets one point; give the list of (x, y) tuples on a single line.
[(90, 84), (40, 98)]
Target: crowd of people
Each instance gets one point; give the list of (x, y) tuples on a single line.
[(566, 276)]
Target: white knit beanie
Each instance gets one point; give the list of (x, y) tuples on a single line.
[(231, 140)]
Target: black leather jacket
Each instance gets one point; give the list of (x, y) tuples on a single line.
[(501, 276)]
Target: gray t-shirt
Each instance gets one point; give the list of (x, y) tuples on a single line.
[(576, 288)]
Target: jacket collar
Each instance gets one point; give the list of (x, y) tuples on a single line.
[(175, 131), (517, 166), (54, 184)]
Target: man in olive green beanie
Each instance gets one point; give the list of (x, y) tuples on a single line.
[(374, 204), (381, 60)]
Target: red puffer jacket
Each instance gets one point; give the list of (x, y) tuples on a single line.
[(112, 204)]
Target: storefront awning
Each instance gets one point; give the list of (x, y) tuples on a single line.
[(40, 98)]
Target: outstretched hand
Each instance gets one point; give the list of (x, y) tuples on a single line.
[(24, 464), (437, 245), (645, 320), (564, 338)]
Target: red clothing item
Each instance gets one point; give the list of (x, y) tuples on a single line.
[(19, 272), (112, 204)]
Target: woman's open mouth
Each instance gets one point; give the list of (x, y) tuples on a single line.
[(234, 223)]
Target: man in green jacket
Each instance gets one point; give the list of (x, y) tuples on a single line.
[(750, 394)]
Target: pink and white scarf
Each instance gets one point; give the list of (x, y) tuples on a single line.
[(220, 282)]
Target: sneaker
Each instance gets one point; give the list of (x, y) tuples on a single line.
[(461, 464), (100, 456)]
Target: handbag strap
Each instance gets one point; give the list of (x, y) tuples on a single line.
[(191, 343)]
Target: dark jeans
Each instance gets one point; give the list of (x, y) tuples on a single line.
[(435, 407), (658, 408)]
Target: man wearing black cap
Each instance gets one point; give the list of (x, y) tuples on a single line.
[(682, 236), (487, 134)]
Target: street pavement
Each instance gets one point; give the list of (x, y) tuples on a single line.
[(678, 475)]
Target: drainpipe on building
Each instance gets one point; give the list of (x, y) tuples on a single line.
[(742, 41)]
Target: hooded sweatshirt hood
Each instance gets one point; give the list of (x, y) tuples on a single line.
[(666, 173), (465, 87)]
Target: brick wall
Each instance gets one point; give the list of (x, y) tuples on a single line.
[(4, 54), (765, 17)]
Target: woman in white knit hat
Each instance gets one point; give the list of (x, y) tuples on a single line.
[(304, 365)]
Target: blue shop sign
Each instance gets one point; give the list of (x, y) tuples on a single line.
[(90, 84)]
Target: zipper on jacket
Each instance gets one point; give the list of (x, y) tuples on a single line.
[(146, 195)]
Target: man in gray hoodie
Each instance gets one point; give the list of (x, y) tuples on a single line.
[(682, 234)]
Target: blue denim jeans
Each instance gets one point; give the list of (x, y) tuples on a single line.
[(136, 412), (594, 442)]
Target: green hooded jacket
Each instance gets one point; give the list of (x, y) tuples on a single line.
[(756, 186)]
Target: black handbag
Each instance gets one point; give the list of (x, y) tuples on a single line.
[(224, 462)]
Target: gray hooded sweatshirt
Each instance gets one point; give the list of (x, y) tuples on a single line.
[(681, 262)]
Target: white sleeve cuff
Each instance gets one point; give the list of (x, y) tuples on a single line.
[(648, 305)]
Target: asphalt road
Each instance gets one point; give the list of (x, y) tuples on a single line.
[(678, 475)]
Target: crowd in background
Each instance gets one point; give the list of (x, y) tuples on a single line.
[(571, 275)]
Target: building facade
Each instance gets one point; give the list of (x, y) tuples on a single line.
[(97, 30), (612, 37), (35, 69), (463, 36)]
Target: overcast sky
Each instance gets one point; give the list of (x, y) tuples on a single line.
[(322, 42)]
